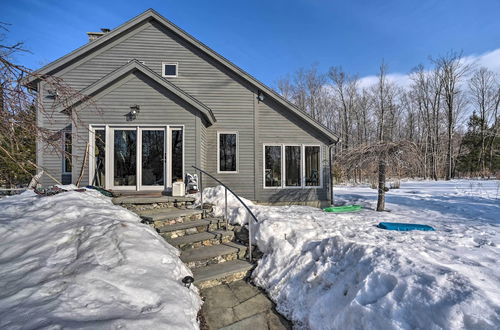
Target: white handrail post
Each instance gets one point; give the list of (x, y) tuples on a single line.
[(225, 208), (201, 189), (250, 238)]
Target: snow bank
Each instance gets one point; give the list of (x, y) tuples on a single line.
[(75, 260), (338, 271)]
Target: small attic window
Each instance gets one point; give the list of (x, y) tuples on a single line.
[(169, 69)]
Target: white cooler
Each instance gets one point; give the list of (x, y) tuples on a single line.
[(178, 189)]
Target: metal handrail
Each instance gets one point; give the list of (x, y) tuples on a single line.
[(200, 183)]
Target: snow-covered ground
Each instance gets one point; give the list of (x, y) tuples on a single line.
[(339, 271), (75, 260)]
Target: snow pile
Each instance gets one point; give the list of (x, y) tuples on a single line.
[(235, 210), (338, 271), (75, 260)]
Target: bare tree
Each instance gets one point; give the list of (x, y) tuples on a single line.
[(452, 69), (19, 110), (484, 92), (345, 88)]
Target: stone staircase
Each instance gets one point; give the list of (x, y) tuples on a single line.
[(207, 245)]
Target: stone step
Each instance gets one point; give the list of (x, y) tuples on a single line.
[(152, 200), (207, 255), (201, 239), (217, 274), (170, 215), (190, 227)]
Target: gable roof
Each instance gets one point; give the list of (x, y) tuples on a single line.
[(135, 65), (151, 14)]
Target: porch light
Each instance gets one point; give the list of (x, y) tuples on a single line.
[(187, 281), (134, 110), (260, 96)]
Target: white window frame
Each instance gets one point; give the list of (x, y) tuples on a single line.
[(170, 63), (320, 160), (302, 165), (264, 164), (109, 158), (92, 164), (301, 170), (64, 170), (237, 152)]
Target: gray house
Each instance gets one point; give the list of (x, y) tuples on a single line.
[(158, 101)]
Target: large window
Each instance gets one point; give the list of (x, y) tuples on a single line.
[(292, 166), (272, 166), (68, 146), (311, 160), (227, 146)]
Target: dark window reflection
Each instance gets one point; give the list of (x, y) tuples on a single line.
[(125, 147), (227, 152), (68, 150), (100, 158), (153, 150), (177, 156), (273, 166), (311, 155), (292, 166)]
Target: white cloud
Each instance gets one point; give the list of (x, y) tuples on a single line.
[(489, 60)]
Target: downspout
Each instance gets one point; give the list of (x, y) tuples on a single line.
[(330, 159)]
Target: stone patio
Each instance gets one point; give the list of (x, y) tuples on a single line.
[(240, 305)]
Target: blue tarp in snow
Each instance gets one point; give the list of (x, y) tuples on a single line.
[(403, 226)]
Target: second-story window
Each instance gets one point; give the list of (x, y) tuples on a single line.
[(169, 69)]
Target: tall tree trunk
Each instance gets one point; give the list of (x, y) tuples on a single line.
[(449, 146), (381, 183)]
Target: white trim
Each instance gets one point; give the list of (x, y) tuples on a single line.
[(109, 156), (237, 151), (92, 164), (264, 145), (169, 155), (320, 165), (283, 167), (112, 157), (170, 63), (140, 129)]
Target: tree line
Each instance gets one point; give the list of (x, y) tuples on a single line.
[(440, 124)]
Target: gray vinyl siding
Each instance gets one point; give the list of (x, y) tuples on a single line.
[(278, 126), (158, 107), (50, 156), (231, 98)]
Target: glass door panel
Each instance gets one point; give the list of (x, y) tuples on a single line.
[(177, 156), (153, 157), (99, 177), (125, 157)]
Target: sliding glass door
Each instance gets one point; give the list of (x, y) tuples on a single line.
[(139, 157)]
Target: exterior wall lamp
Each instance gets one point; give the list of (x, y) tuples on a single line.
[(260, 96), (134, 111)]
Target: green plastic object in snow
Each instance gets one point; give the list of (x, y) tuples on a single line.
[(342, 209)]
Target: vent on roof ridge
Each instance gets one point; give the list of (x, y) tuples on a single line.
[(96, 35)]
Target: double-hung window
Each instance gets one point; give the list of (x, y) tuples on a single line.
[(227, 152), (292, 166)]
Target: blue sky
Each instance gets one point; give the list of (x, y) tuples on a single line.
[(272, 38)]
